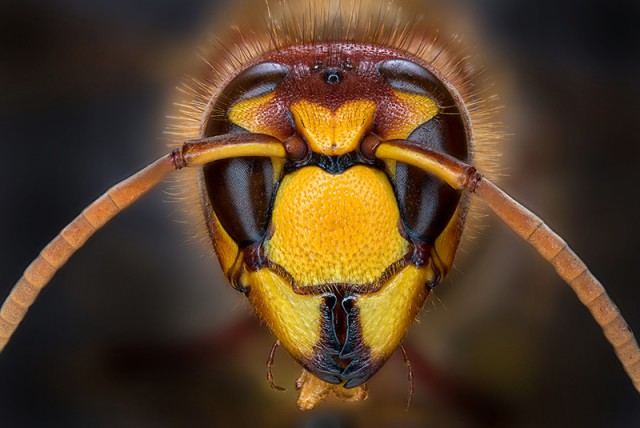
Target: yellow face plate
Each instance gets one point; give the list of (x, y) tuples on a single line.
[(293, 318), (334, 132), (386, 315), (335, 228)]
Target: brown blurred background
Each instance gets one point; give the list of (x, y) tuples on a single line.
[(140, 328)]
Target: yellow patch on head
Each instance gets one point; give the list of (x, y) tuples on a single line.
[(447, 243), (254, 116), (226, 248), (409, 111), (294, 319), (386, 315), (334, 132), (339, 228)]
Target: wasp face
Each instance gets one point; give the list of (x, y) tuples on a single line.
[(319, 139), (335, 251)]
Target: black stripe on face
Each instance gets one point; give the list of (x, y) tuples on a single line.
[(341, 355), (323, 364), (334, 164)]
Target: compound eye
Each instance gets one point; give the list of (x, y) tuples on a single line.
[(407, 76), (426, 203), (256, 81), (253, 82), (240, 190)]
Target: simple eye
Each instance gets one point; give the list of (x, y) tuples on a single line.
[(240, 190), (426, 203)]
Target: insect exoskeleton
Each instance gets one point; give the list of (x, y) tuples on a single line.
[(335, 248), (333, 149)]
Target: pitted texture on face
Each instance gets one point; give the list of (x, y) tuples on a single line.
[(294, 319), (330, 229), (256, 115), (406, 113), (335, 248), (334, 132)]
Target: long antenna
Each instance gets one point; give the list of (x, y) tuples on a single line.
[(111, 203), (74, 236), (532, 229)]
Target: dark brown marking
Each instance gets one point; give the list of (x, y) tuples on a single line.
[(254, 256), (341, 355), (340, 288), (323, 364)]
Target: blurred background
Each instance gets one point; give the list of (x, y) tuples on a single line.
[(140, 328)]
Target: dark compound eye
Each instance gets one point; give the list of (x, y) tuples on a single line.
[(407, 76), (240, 190), (256, 81), (253, 82), (426, 203)]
